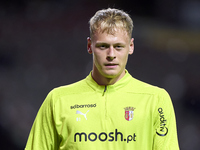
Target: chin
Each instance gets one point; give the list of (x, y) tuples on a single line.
[(111, 74)]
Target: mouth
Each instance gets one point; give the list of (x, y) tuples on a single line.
[(111, 65)]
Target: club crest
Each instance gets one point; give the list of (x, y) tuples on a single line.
[(129, 113)]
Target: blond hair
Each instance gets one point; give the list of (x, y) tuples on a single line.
[(110, 20)]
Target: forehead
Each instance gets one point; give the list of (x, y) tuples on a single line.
[(117, 34)]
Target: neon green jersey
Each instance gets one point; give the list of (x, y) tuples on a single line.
[(128, 115)]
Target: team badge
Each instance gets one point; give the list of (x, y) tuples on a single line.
[(129, 113)]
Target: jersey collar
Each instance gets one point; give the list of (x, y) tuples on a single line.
[(118, 85)]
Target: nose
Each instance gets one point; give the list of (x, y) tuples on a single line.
[(111, 54)]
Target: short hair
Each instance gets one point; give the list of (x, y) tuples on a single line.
[(109, 20)]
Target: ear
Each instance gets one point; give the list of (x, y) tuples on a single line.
[(89, 45), (131, 48)]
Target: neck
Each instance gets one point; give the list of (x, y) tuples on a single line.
[(102, 80)]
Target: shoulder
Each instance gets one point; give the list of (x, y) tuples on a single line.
[(67, 92), (138, 86), (74, 88), (159, 96)]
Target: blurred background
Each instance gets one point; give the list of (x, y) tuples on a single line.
[(43, 45)]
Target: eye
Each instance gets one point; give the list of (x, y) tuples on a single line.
[(119, 47), (102, 46)]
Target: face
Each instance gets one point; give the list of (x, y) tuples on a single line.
[(110, 55)]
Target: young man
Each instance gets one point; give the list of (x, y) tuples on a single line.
[(109, 109)]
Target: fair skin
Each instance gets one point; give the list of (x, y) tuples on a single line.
[(110, 55)]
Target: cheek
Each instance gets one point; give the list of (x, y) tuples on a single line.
[(99, 55), (96, 59), (123, 59)]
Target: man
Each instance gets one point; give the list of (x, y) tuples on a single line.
[(109, 109)]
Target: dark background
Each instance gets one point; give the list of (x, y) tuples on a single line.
[(43, 45)]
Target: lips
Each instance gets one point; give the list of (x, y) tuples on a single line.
[(111, 64)]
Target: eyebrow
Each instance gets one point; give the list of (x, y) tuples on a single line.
[(101, 43), (119, 44), (104, 43)]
